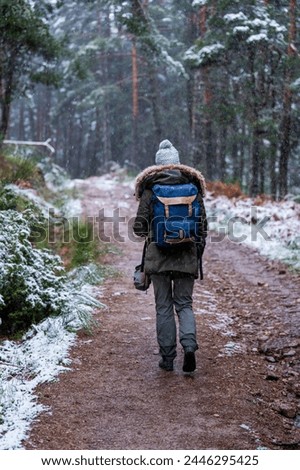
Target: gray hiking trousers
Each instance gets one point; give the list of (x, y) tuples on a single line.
[(174, 291)]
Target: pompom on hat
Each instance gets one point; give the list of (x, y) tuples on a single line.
[(167, 154)]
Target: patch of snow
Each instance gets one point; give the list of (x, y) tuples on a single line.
[(241, 29), (232, 348), (59, 21), (296, 84), (271, 228), (174, 65), (24, 366), (72, 208), (257, 38), (105, 182), (279, 28), (199, 3), (245, 426), (261, 28), (235, 17), (222, 323), (205, 53), (204, 302), (31, 195), (259, 23), (38, 358)]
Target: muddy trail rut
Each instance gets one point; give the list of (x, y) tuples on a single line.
[(245, 393)]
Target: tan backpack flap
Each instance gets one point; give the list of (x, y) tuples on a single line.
[(177, 201)]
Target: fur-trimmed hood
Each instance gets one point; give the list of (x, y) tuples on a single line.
[(146, 176)]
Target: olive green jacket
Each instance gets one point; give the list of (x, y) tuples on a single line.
[(183, 259)]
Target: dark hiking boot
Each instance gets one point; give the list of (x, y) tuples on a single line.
[(189, 362), (166, 364)]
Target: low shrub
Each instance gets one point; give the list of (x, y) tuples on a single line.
[(31, 280), (17, 169)]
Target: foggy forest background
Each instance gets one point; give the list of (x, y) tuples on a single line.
[(107, 80)]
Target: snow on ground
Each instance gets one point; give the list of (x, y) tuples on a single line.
[(23, 366), (40, 357), (43, 352), (272, 228), (31, 195)]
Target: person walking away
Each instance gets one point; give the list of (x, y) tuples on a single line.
[(172, 263)]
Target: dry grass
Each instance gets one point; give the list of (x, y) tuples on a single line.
[(230, 190), (233, 190), (261, 199)]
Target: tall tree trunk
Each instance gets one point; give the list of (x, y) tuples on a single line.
[(107, 154), (285, 145), (21, 123), (135, 102), (192, 32), (242, 151), (235, 159), (255, 162), (222, 152), (154, 97), (255, 157), (40, 114), (262, 173), (273, 175), (210, 157), (6, 100), (31, 119), (139, 12), (202, 125), (196, 129), (95, 150), (48, 102), (273, 146)]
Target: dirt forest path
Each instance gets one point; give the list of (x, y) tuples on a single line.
[(245, 391)]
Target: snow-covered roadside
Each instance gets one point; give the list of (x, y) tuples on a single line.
[(23, 366), (39, 357), (271, 228), (43, 353)]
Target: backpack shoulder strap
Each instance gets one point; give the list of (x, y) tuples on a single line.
[(144, 254)]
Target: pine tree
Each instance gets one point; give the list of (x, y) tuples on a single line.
[(26, 45)]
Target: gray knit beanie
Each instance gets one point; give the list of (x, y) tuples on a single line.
[(167, 154)]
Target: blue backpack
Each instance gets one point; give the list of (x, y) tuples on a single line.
[(176, 213)]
